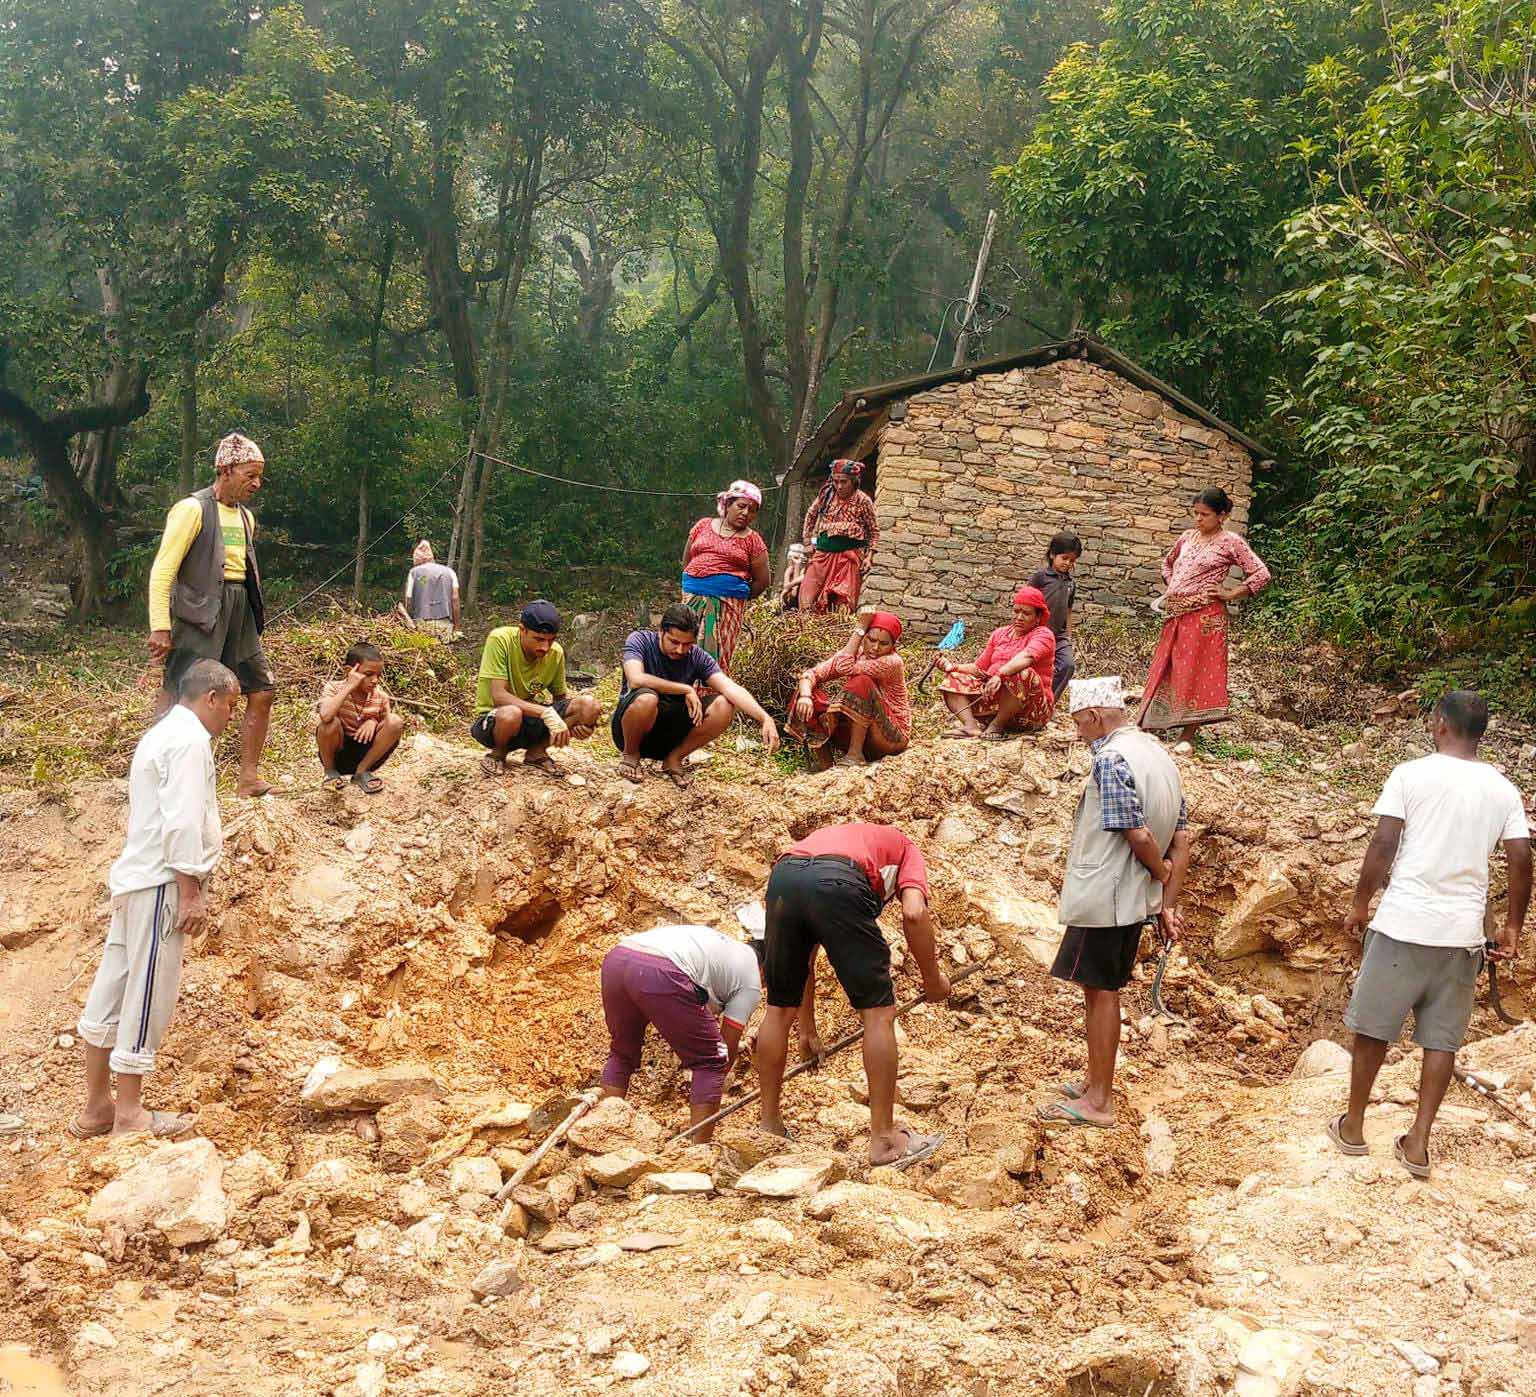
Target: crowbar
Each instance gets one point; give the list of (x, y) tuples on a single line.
[(1159, 1008), (555, 1136), (846, 1041)]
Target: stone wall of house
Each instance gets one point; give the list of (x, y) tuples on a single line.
[(976, 478)]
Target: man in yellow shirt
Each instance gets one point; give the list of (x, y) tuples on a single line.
[(205, 597)]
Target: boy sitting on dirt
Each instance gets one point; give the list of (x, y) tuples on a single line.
[(521, 704), (827, 891), (355, 726)]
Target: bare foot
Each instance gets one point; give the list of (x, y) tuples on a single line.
[(253, 789)]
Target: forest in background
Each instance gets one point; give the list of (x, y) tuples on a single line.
[(646, 243)]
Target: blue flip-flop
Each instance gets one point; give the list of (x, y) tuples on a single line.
[(1065, 1113)]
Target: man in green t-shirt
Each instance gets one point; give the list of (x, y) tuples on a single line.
[(520, 699)]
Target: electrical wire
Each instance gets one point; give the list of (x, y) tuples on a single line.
[(611, 489)]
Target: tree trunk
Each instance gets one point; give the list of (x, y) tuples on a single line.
[(188, 419), (362, 536), (445, 280), (381, 299)]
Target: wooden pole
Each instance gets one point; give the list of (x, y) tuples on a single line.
[(554, 1137), (846, 1041), (963, 339)]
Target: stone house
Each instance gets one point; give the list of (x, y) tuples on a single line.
[(973, 469)]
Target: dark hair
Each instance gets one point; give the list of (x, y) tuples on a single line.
[(1214, 498), (1064, 543), (760, 950), (205, 677), (363, 650), (679, 617), (1465, 713)]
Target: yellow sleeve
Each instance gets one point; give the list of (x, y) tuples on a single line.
[(182, 526)]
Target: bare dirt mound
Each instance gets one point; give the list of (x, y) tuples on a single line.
[(426, 962)]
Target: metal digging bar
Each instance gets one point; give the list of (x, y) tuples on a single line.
[(846, 1041)]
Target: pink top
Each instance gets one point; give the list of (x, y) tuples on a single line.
[(850, 518), (1196, 565), (1005, 643), (710, 555), (887, 671)]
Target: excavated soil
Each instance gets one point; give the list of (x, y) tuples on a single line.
[(1213, 1242)]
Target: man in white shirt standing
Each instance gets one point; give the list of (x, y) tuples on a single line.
[(174, 840), (1442, 816)]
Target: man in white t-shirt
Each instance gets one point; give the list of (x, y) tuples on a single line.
[(1441, 819)]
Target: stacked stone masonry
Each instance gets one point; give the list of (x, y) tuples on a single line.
[(976, 478)]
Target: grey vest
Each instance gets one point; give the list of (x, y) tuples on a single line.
[(1106, 884), (197, 595), (432, 588)]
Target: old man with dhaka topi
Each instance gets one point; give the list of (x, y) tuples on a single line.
[(205, 599)]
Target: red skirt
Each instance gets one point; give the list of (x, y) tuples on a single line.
[(1037, 699), (831, 581), (1187, 683), (857, 698)]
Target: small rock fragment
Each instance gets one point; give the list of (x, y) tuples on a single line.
[(682, 1181), (649, 1241), (629, 1365), (498, 1278), (1320, 1058), (478, 1175)]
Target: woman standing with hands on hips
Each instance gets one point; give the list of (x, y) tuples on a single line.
[(725, 565), (1187, 682)]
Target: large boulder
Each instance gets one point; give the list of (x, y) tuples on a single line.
[(1242, 931), (368, 1088), (795, 1175), (974, 1181), (178, 1190), (613, 1124), (1320, 1058)]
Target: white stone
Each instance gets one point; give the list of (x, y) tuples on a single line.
[(1321, 1058), (796, 1176), (769, 1230), (381, 1345), (1421, 1362), (498, 1278), (478, 1175), (365, 1088), (1162, 1153), (630, 1365), (757, 1309), (178, 1190), (97, 1335), (680, 1181), (369, 1378), (1272, 1363)]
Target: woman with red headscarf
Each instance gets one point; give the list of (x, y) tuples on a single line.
[(855, 702), (725, 565), (840, 530), (1010, 681)]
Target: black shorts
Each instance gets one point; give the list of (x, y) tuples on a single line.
[(533, 733), (670, 730), (825, 901), (1098, 957), (352, 752)]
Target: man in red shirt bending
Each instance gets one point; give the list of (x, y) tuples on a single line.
[(827, 891)]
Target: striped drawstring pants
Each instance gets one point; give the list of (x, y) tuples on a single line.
[(134, 993)]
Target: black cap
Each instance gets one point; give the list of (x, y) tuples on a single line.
[(541, 616)]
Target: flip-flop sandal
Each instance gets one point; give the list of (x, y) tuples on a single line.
[(1070, 1090), (681, 779), (1343, 1145), (850, 761), (1064, 1113), (81, 1132), (368, 783), (333, 781), (262, 788), (630, 771), (548, 765), (491, 767), (919, 1148), (168, 1125), (1419, 1171), (998, 736)]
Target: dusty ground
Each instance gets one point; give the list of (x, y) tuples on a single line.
[(1212, 1242)]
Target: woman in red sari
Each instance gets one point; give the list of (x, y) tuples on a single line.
[(1010, 681), (841, 535), (725, 565), (1187, 683), (856, 701)]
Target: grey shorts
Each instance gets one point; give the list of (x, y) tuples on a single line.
[(1436, 984), (234, 641)]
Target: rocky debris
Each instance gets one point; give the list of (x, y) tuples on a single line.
[(1421, 1362), (408, 1129), (367, 1088), (249, 1178), (619, 1168), (562, 1239), (679, 1181), (178, 1190), (792, 1176), (496, 1279), (750, 1146), (1243, 931), (1272, 1362), (507, 1120), (630, 1365), (613, 1124), (479, 1174), (974, 1181), (1162, 1154), (11, 1125), (1321, 1057), (954, 832), (94, 1335), (648, 1241)]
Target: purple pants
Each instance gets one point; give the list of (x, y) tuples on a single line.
[(641, 989)]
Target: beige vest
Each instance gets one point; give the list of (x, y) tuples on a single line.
[(1106, 884)]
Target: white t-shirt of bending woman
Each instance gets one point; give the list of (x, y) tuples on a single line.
[(1455, 813)]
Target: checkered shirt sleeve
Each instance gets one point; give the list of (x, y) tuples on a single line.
[(1118, 800)]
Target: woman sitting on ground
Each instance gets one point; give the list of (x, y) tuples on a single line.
[(725, 565), (855, 703), (1010, 681)]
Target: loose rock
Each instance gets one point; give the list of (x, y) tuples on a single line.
[(613, 1124), (477, 1175), (178, 1190), (1320, 1058), (796, 1176), (619, 1168), (366, 1088), (498, 1278)]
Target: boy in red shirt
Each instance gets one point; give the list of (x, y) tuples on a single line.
[(827, 890)]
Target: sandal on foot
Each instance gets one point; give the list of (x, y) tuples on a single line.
[(681, 779), (1343, 1145), (846, 760), (1070, 1090), (959, 734), (333, 780), (493, 766), (261, 788), (87, 1132), (1419, 1171), (630, 771), (919, 1147), (368, 783), (1065, 1113), (990, 736), (548, 765)]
